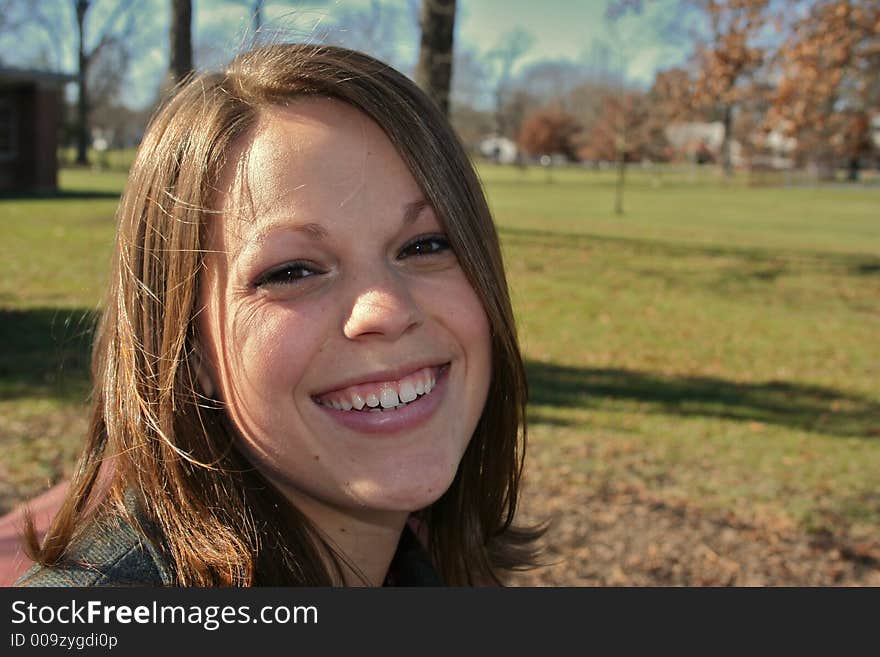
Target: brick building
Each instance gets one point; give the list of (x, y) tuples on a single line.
[(30, 114)]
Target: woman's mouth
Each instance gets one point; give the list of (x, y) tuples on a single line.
[(383, 395), (387, 406)]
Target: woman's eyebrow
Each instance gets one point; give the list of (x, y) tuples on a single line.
[(411, 212), (311, 229)]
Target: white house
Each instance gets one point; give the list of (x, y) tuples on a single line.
[(688, 137), (499, 149)]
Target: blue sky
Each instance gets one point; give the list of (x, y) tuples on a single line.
[(634, 47)]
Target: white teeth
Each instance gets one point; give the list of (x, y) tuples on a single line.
[(407, 392), (389, 398)]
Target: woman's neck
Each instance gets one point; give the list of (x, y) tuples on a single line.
[(366, 540)]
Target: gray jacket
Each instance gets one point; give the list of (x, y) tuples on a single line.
[(113, 553)]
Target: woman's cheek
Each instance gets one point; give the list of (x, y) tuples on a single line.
[(263, 345)]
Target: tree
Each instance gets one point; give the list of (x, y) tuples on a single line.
[(586, 102), (98, 35), (551, 81), (671, 95), (82, 136), (550, 131), (829, 82), (728, 60), (257, 17), (180, 60), (376, 29), (26, 21), (434, 69), (109, 35), (468, 109), (730, 50), (623, 134), (501, 60)]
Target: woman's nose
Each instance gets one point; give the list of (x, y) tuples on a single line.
[(385, 309)]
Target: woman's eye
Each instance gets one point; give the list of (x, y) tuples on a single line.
[(292, 272), (425, 246)]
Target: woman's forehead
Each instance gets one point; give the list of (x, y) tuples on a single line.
[(316, 158)]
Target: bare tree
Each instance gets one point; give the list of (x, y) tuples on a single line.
[(468, 102), (180, 61), (100, 42), (502, 58), (551, 80), (11, 17), (82, 107), (255, 13), (110, 33), (374, 29), (729, 52), (257, 17), (434, 70)]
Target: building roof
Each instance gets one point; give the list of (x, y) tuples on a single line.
[(19, 75)]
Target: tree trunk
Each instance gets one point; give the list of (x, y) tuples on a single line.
[(257, 18), (82, 106), (621, 180), (434, 70), (726, 160), (180, 38), (855, 166)]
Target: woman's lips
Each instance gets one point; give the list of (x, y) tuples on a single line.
[(394, 418), (382, 394)]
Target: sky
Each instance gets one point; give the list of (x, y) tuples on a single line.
[(634, 47)]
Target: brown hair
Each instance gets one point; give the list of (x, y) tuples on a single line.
[(217, 519)]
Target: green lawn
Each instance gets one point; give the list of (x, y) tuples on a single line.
[(717, 344)]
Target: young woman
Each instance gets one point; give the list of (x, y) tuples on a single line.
[(306, 372)]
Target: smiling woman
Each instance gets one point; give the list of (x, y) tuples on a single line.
[(307, 369)]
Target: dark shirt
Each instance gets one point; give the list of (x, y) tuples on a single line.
[(113, 553)]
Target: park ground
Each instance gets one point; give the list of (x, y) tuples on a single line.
[(705, 387)]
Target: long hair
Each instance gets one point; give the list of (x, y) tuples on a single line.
[(215, 517)]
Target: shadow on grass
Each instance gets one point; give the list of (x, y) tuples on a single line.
[(800, 406), (765, 263), (45, 352)]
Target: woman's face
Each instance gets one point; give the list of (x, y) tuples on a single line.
[(330, 297)]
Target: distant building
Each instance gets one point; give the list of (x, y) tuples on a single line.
[(499, 149), (778, 151), (701, 142), (30, 113)]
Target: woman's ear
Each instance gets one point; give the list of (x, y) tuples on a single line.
[(200, 370)]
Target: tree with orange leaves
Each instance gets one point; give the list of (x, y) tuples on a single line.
[(550, 131), (628, 129), (829, 82), (728, 54), (728, 60)]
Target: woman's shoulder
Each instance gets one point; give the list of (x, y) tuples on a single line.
[(110, 552)]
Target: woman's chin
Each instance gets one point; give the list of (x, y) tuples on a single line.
[(407, 495)]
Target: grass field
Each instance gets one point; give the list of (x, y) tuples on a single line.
[(717, 345)]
